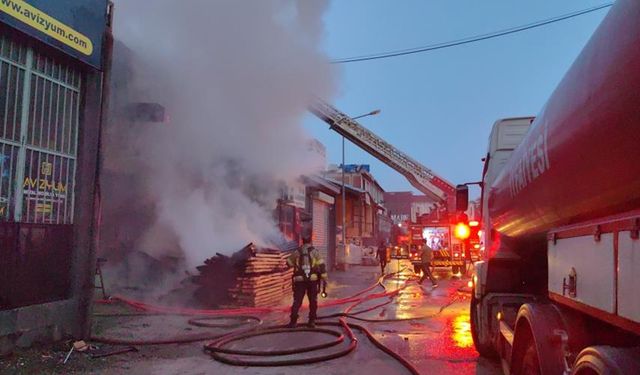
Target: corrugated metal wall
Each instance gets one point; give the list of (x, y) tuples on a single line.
[(320, 212)]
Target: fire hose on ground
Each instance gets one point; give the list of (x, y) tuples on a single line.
[(220, 353), (217, 348), (237, 314), (199, 322)]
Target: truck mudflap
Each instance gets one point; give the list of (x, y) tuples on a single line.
[(538, 325)]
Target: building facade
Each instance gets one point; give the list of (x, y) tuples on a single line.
[(321, 204), (52, 107), (367, 221), (405, 206)]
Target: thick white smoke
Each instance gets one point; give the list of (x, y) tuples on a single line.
[(235, 77)]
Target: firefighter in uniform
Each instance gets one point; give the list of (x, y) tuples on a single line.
[(309, 271)]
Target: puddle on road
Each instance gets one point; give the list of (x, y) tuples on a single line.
[(407, 303), (461, 331), (455, 342), (451, 341)]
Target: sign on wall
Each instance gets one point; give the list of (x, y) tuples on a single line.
[(47, 188), (356, 168), (75, 27)]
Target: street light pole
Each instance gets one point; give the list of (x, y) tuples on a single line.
[(344, 193), (344, 208)]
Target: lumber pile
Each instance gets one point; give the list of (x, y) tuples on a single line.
[(250, 277), (265, 281)]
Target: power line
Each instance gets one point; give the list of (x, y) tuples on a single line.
[(471, 39)]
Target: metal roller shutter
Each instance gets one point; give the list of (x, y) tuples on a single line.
[(321, 227)]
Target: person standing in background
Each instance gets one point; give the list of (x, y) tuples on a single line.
[(427, 255), (381, 254)]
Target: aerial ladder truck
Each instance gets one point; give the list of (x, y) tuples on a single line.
[(449, 250)]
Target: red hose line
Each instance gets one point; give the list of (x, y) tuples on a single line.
[(203, 321), (215, 347), (177, 340), (138, 305), (337, 315), (217, 350), (288, 362), (403, 361)]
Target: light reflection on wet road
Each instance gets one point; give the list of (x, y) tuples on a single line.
[(462, 331), (442, 343)]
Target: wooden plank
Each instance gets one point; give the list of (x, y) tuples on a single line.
[(255, 292), (265, 280)]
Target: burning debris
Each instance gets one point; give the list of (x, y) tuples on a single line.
[(250, 277)]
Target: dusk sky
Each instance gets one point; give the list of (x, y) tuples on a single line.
[(439, 106)]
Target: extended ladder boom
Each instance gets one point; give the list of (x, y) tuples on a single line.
[(421, 177)]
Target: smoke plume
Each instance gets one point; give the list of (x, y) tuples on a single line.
[(235, 78)]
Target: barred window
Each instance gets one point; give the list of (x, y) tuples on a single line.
[(39, 116)]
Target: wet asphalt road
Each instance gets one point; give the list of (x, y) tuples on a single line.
[(440, 343)]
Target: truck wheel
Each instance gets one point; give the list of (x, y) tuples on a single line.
[(600, 360), (485, 350), (529, 364)]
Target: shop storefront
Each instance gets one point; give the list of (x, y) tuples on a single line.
[(53, 58)]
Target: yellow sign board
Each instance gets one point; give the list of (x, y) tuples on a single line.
[(46, 24)]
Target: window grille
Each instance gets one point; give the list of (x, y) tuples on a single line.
[(39, 117)]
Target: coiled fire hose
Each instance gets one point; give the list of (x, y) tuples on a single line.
[(222, 354)]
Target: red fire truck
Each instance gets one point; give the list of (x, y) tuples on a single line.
[(560, 291), (448, 251)]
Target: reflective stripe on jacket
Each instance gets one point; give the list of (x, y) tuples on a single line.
[(316, 267)]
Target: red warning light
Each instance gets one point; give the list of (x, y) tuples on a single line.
[(462, 231)]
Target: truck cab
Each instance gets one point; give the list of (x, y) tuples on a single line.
[(572, 316), (506, 135)]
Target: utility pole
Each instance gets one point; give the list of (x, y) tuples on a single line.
[(344, 207), (344, 193)]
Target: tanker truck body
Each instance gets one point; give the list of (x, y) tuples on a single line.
[(560, 291)]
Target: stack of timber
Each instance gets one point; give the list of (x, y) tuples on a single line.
[(265, 281), (217, 275), (250, 277)]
